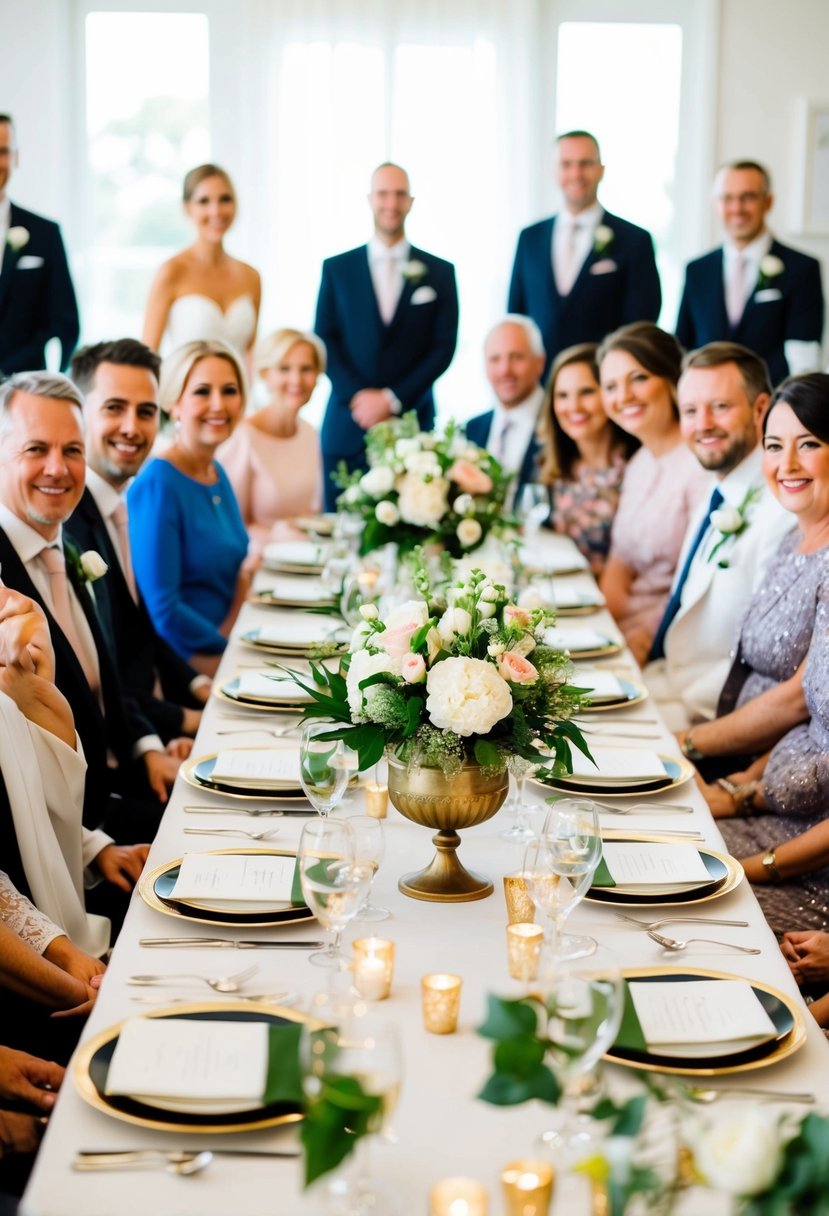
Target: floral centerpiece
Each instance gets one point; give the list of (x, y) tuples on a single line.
[(422, 487)]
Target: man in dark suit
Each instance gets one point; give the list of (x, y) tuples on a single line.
[(753, 290), (584, 272), (37, 300), (388, 314), (513, 360), (119, 383)]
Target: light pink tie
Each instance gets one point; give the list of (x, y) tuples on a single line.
[(570, 267), (389, 284), (55, 565), (737, 293), (119, 518)]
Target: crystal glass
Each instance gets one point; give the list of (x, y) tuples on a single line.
[(533, 508), (333, 884), (573, 838), (522, 811), (364, 1045), (325, 765), (369, 849)]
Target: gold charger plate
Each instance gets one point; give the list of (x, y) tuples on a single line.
[(638, 694), (287, 651), (323, 525), (785, 1047), (677, 768), (265, 599), (602, 652), (315, 568), (260, 704), (86, 1087), (188, 772), (733, 877), (588, 609), (147, 891)]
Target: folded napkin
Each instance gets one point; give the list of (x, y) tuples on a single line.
[(602, 686), (303, 630), (570, 597), (553, 553), (619, 765), (300, 589), (253, 878), (293, 553), (273, 685), (575, 640)]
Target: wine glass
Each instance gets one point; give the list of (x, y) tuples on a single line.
[(521, 830), (363, 1045), (533, 509), (325, 765), (573, 838), (369, 849), (333, 884)]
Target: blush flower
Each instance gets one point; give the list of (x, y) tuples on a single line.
[(413, 668), (516, 669), (470, 478)]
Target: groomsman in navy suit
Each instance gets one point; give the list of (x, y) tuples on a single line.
[(37, 299), (514, 360), (584, 272), (753, 290), (388, 314)]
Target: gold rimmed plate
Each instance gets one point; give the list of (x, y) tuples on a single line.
[(725, 873), (279, 567), (197, 772), (678, 770), (596, 652), (789, 1024), (156, 889), (586, 608), (90, 1067), (229, 691), (289, 650), (322, 525), (634, 693)]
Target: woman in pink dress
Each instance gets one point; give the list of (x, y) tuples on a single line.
[(639, 368), (273, 458)]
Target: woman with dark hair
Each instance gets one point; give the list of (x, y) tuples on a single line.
[(583, 454), (639, 369), (204, 294)]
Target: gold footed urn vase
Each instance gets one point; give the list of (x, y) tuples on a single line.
[(427, 797)]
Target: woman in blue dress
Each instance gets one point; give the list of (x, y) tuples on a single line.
[(189, 544)]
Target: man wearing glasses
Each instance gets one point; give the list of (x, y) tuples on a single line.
[(753, 290)]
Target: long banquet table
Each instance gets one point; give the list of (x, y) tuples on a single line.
[(441, 1128)]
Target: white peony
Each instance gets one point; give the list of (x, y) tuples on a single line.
[(738, 1151), (423, 503), (469, 532), (386, 512), (425, 464), (466, 696), (727, 520), (412, 612), (93, 565), (363, 665), (454, 622), (377, 482), (771, 266)]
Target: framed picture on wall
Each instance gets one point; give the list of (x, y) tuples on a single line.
[(813, 175)]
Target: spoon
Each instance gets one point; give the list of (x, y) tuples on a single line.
[(670, 943), (219, 983), (183, 1164), (706, 1096), (232, 832)]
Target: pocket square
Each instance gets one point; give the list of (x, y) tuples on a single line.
[(424, 295), (767, 295), (29, 262), (606, 266)]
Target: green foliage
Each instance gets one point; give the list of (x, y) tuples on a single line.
[(518, 1069), (802, 1186), (334, 1120)]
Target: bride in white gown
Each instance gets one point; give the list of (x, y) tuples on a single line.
[(203, 293)]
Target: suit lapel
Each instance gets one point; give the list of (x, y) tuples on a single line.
[(10, 259), (774, 249)]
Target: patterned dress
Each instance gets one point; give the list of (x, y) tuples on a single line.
[(583, 507)]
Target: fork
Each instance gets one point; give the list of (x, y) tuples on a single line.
[(644, 808), (685, 920), (671, 943), (278, 732), (232, 832), (219, 983), (256, 811)]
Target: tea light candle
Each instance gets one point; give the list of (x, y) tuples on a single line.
[(373, 967), (377, 799), (528, 1187), (520, 908), (441, 1002), (523, 950), (458, 1197)]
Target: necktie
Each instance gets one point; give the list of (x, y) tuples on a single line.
[(54, 563), (658, 646), (570, 265), (737, 290), (389, 284), (501, 454), (119, 518)]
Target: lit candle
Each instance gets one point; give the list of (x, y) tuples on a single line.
[(458, 1197), (528, 1187), (441, 995), (520, 908), (377, 799), (523, 950), (373, 967)]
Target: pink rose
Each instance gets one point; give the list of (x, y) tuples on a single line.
[(469, 477), (396, 641), (515, 617), (413, 668), (516, 669)]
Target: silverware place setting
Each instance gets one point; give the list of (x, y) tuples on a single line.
[(219, 942), (183, 1162), (675, 946), (219, 983), (678, 920), (232, 832)]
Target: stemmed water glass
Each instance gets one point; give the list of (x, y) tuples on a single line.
[(369, 850), (334, 884), (521, 830), (533, 509), (325, 765), (558, 868)]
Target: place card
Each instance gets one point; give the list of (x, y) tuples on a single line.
[(632, 864), (575, 640), (700, 1011), (192, 1060), (620, 765), (253, 878), (260, 766), (269, 686)]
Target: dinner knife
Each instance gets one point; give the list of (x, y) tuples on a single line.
[(226, 941), (86, 1159)]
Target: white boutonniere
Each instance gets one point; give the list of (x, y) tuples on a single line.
[(771, 267), (733, 521), (413, 271), (17, 237), (603, 238)]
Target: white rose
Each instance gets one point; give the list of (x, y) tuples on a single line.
[(727, 520), (738, 1151), (412, 612), (771, 266), (363, 665), (455, 622), (466, 696), (469, 532), (377, 481), (525, 645), (495, 648), (352, 494), (530, 598), (93, 565), (486, 609), (17, 237), (603, 236), (422, 503), (425, 464), (386, 512), (369, 612), (464, 503), (359, 637), (406, 447), (489, 594)]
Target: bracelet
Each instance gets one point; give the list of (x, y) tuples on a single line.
[(743, 795), (689, 751)]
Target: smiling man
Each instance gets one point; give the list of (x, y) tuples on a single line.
[(723, 394), (584, 272), (753, 290), (119, 381)]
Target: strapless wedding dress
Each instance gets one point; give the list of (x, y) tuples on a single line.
[(198, 318)]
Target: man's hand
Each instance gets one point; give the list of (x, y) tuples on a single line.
[(807, 953), (122, 864), (202, 693), (161, 773), (19, 1133), (179, 748), (24, 635), (25, 1078), (370, 406)]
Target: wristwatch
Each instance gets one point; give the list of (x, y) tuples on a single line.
[(688, 750), (769, 861)]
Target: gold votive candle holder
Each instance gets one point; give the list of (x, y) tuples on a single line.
[(523, 950), (458, 1197), (441, 995), (528, 1187), (377, 799), (520, 908), (373, 967)]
